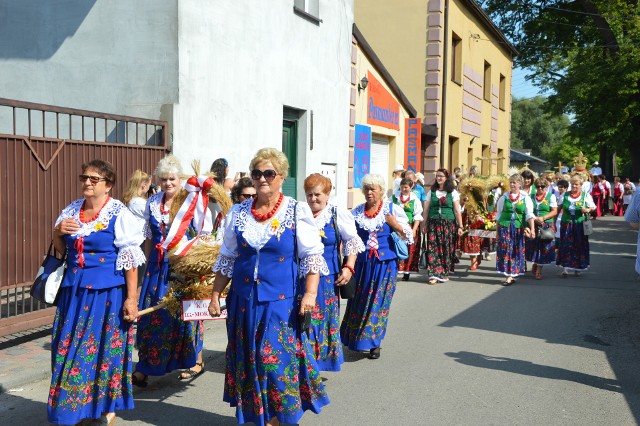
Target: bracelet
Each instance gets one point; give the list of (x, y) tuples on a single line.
[(353, 271)]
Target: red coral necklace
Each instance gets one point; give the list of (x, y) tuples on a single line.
[(539, 199), (371, 216), (261, 217), (404, 200), (82, 219), (514, 199)]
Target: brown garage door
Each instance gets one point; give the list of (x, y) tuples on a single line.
[(41, 150)]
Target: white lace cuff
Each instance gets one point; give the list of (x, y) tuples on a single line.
[(408, 235), (130, 257), (314, 264), (353, 246), (146, 231), (224, 265)]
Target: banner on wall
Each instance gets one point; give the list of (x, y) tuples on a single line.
[(413, 144), (382, 108), (361, 154)]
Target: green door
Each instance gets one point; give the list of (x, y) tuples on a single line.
[(290, 149)]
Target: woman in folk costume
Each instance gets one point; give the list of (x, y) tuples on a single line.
[(337, 228), (573, 253), (165, 342), (443, 227), (527, 182), (412, 207), (514, 213), (92, 336), (618, 192), (597, 194), (364, 325), (273, 251), (545, 208)]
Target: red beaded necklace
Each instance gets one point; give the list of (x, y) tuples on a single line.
[(514, 199), (82, 219), (371, 216), (539, 199), (577, 195), (404, 200), (261, 217)]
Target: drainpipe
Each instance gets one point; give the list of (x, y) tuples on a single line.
[(445, 80)]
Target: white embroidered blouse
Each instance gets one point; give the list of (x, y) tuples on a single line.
[(128, 235), (351, 241), (310, 247)]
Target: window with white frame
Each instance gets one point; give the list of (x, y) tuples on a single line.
[(311, 8)]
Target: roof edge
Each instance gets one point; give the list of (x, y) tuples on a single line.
[(480, 13), (382, 70)]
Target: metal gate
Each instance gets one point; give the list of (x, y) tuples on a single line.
[(42, 148)]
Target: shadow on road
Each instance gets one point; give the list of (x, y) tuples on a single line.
[(599, 311), (531, 369)]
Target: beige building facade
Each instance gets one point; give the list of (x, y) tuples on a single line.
[(374, 87), (455, 66)]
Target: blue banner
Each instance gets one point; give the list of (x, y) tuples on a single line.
[(361, 154)]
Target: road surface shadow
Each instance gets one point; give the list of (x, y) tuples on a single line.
[(531, 369), (599, 311)]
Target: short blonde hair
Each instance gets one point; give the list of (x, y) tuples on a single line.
[(138, 177), (275, 157), (541, 182), (577, 177), (373, 179), (169, 165)]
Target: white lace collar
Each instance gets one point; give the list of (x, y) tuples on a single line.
[(155, 202), (111, 209), (258, 234), (373, 224), (324, 217)]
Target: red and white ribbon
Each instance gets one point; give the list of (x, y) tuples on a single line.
[(195, 209)]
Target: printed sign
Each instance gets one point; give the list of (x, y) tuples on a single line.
[(413, 144), (196, 310), (361, 154), (382, 108)]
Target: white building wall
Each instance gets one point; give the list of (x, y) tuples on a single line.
[(114, 56), (241, 62)]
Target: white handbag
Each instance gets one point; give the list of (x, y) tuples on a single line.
[(587, 226), (53, 284)]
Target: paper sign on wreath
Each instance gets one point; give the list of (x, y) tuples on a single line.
[(196, 310)]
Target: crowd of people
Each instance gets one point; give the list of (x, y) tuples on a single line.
[(281, 266)]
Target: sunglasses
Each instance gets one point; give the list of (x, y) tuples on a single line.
[(269, 174), (247, 196), (94, 179)]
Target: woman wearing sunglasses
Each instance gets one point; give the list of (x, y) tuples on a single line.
[(92, 339), (243, 190), (165, 343), (271, 374)]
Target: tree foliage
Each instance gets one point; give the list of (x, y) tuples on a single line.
[(534, 128), (585, 54)]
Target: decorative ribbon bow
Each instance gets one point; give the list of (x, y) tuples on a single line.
[(193, 208), (372, 245)]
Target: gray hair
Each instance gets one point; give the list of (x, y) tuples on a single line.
[(169, 165), (516, 177), (373, 179)]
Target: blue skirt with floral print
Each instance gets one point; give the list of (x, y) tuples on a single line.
[(91, 352)]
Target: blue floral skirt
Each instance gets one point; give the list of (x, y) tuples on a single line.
[(91, 351), (270, 368), (573, 252), (165, 343), (510, 251), (365, 319), (541, 252), (325, 321)]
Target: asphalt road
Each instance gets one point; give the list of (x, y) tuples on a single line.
[(550, 352)]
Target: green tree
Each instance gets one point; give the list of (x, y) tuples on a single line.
[(534, 128), (586, 55)]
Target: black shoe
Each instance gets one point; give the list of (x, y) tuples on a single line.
[(374, 353), (138, 379), (405, 277)]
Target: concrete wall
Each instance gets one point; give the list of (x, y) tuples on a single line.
[(241, 62), (113, 56)]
